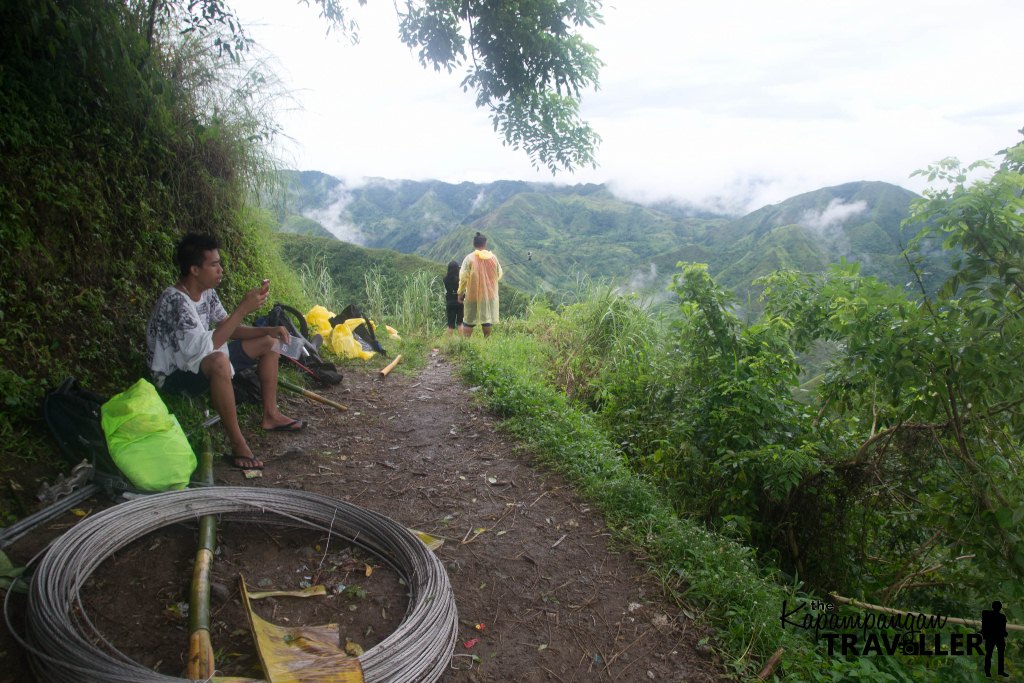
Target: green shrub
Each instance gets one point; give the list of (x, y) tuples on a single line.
[(691, 507)]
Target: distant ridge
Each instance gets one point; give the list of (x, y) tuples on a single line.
[(548, 234)]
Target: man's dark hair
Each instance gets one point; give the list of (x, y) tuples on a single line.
[(480, 241), (192, 251)]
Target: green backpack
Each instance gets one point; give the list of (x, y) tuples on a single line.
[(145, 440)]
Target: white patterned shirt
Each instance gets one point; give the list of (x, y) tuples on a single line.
[(179, 334)]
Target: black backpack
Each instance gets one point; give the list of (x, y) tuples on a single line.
[(311, 363), (282, 315), (363, 332), (246, 384), (72, 414)]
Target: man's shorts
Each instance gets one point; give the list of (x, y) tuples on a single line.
[(195, 384)]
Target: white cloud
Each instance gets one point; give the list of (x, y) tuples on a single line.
[(835, 214), (642, 279), (478, 200), (332, 216)]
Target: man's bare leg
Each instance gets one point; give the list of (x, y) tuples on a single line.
[(268, 360), (487, 330), (217, 369)]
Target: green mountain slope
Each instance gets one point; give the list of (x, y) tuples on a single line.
[(567, 234), (546, 235), (403, 215), (300, 225), (349, 263), (860, 222)]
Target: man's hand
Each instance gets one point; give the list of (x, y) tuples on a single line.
[(281, 333), (253, 300), (462, 298)]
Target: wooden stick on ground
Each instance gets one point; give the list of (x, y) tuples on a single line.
[(309, 394), (390, 366)]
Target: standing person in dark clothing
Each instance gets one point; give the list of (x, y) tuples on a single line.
[(452, 306), (993, 630)]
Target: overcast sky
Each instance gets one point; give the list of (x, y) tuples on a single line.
[(749, 102)]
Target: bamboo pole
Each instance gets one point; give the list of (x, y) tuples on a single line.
[(309, 394), (889, 610), (201, 664), (390, 366)]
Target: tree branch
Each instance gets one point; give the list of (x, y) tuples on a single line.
[(890, 431), (154, 5)]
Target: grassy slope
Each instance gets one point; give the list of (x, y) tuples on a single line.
[(105, 163)]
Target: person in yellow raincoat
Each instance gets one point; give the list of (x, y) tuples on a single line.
[(478, 288)]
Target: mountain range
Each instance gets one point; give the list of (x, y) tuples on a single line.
[(547, 235)]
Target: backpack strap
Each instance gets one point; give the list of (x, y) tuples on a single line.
[(302, 327)]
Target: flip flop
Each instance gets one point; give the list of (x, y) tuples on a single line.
[(233, 460), (289, 427)]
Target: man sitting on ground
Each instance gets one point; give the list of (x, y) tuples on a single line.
[(186, 356)]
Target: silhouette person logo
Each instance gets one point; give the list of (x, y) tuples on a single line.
[(993, 630)]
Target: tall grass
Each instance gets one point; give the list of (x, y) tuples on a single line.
[(412, 303), (597, 331), (419, 306), (317, 283), (378, 293)]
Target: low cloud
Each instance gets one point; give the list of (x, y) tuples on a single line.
[(641, 279), (732, 194), (836, 213), (432, 226), (334, 219)]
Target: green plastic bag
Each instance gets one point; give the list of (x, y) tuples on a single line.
[(146, 441)]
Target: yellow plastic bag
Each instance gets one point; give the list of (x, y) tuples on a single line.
[(319, 319), (392, 332), (343, 343), (145, 441)]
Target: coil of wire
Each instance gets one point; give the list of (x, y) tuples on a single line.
[(59, 636)]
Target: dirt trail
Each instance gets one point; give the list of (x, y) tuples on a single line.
[(538, 586)]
